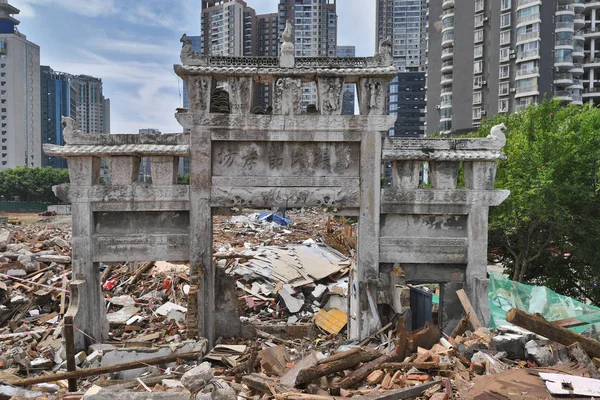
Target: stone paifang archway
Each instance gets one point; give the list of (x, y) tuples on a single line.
[(286, 159)]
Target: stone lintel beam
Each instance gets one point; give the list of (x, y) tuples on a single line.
[(164, 170), (309, 73), (137, 192), (393, 196), (429, 145), (282, 123), (135, 150), (290, 197), (167, 139)]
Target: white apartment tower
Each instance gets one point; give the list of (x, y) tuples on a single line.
[(20, 108), (497, 56)]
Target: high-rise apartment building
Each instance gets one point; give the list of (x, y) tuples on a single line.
[(228, 28), (349, 90), (497, 56), (58, 99), (315, 33), (404, 22), (93, 109), (232, 28), (20, 131)]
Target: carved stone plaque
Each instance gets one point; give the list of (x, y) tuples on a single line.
[(286, 159)]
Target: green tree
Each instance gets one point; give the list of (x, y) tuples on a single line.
[(547, 231), (31, 184)]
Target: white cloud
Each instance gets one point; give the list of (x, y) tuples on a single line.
[(88, 8), (131, 47)]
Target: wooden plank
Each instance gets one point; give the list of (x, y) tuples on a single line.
[(464, 300), (82, 373), (406, 393), (569, 323), (537, 324), (63, 295)]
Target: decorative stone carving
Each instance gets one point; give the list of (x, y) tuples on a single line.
[(371, 96), (164, 170), (443, 174), (69, 128), (287, 46), (84, 171), (383, 57), (199, 92), (240, 94), (497, 134), (124, 170), (287, 96), (330, 95), (284, 197), (188, 56)]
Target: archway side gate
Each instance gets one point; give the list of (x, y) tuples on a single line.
[(286, 159)]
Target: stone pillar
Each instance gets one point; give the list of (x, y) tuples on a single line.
[(164, 170), (90, 313), (200, 88), (287, 96), (240, 94), (331, 95), (124, 170), (443, 174), (201, 231), (477, 255), (365, 277), (371, 96), (405, 174)]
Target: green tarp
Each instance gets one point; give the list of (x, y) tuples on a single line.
[(505, 294)]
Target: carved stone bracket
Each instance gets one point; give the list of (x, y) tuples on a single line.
[(371, 96), (240, 94), (287, 96), (200, 88), (330, 95), (84, 171)]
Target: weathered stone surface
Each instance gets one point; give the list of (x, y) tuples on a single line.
[(541, 354), (196, 378), (5, 238), (512, 344), (131, 395)]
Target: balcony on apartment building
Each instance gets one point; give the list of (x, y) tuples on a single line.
[(446, 4), (592, 4), (447, 53), (591, 92), (592, 32), (527, 73), (563, 61), (446, 79), (447, 66), (529, 90), (579, 5), (589, 62), (563, 79)]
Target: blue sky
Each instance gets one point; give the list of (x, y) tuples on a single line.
[(133, 44)]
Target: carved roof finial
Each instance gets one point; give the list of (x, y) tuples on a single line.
[(497, 134), (287, 45)]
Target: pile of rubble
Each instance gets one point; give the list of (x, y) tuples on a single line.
[(286, 273)]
